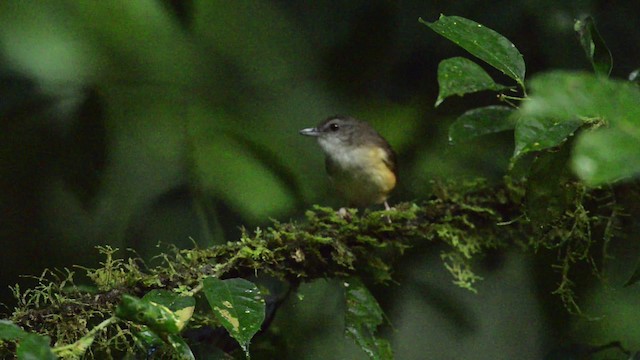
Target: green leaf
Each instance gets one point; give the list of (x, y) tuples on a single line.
[(607, 155), (362, 317), (547, 195), (35, 347), (482, 121), (535, 134), (600, 155), (483, 43), (460, 76), (238, 305), (594, 46), (146, 338), (566, 95), (181, 306), (180, 346), (157, 317), (10, 331)]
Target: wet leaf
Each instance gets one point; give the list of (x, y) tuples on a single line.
[(460, 76), (363, 315), (483, 43), (535, 134), (238, 305), (482, 121)]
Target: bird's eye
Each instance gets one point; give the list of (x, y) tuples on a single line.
[(334, 127)]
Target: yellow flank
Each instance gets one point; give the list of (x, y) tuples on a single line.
[(363, 177)]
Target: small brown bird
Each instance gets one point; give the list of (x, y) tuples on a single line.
[(359, 161)]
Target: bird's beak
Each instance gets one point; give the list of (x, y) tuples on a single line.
[(310, 132)]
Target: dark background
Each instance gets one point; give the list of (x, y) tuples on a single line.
[(145, 123)]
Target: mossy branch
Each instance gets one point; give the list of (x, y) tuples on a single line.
[(469, 219)]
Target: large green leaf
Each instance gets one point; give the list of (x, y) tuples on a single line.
[(238, 305), (566, 99), (482, 121), (460, 76), (10, 331), (482, 42), (594, 46), (535, 134), (35, 347), (363, 315), (565, 95)]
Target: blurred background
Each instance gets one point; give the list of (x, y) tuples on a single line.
[(144, 123)]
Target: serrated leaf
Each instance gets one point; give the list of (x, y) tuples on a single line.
[(35, 347), (156, 316), (180, 347), (483, 43), (535, 134), (181, 306), (482, 121), (362, 317), (460, 76), (10, 331), (238, 305), (594, 46)]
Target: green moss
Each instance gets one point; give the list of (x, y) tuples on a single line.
[(469, 219)]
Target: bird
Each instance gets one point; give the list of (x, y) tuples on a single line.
[(360, 162)]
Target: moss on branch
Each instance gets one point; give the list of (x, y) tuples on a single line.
[(469, 219)]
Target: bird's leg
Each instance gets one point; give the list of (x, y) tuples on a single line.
[(387, 208)]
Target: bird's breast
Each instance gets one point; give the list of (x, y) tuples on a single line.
[(362, 175)]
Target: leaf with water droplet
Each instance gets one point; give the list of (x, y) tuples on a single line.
[(482, 121), (460, 76), (535, 134), (235, 308), (363, 315), (483, 43)]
